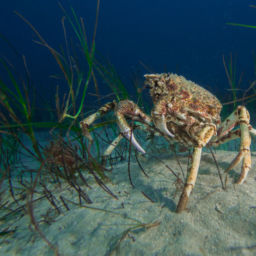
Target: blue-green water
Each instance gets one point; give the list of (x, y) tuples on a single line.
[(183, 37)]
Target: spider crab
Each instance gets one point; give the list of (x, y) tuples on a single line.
[(186, 113)]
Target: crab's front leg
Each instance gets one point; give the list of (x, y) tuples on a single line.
[(85, 123), (159, 117), (122, 109), (202, 139), (191, 180), (127, 108)]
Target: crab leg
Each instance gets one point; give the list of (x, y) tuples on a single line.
[(128, 108), (123, 109), (246, 166), (161, 125), (228, 137), (191, 180), (159, 118), (244, 154), (111, 147), (84, 124), (239, 117), (117, 140)]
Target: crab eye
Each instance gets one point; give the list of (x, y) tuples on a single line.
[(148, 85)]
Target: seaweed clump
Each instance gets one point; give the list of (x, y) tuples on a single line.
[(66, 165)]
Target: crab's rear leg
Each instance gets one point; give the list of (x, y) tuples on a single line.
[(239, 117), (244, 154)]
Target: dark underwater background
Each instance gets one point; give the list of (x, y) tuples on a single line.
[(54, 166), (189, 38)]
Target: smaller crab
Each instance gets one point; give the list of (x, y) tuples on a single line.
[(186, 113)]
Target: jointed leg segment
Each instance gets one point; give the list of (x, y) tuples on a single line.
[(239, 117), (191, 180), (129, 109), (122, 110)]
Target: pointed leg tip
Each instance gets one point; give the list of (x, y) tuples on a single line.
[(240, 181), (142, 151), (168, 132), (161, 125), (128, 134)]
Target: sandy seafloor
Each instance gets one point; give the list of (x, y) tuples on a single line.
[(217, 222)]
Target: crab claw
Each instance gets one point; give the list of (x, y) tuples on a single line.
[(161, 125), (128, 134)]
